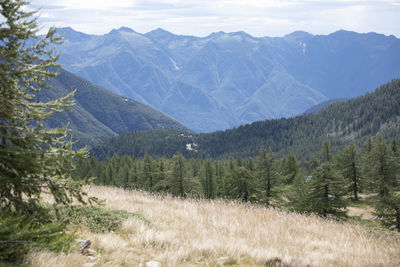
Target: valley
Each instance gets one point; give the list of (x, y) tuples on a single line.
[(225, 80)]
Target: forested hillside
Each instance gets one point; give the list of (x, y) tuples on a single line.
[(351, 120), (98, 113)]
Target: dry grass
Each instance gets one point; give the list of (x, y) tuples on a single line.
[(199, 232)]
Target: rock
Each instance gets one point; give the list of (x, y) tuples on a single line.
[(91, 251), (92, 258), (153, 264), (278, 262), (223, 259)]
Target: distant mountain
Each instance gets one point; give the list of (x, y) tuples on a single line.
[(317, 108), (98, 113), (228, 79), (341, 122)]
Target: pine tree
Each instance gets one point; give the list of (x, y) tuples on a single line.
[(326, 151), (327, 191), (241, 184), (32, 158), (266, 171), (386, 171), (177, 180), (148, 171), (388, 208), (350, 168), (290, 168), (382, 169), (208, 184)]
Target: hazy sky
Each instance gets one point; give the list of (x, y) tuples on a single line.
[(202, 17)]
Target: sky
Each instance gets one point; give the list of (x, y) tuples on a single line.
[(273, 18)]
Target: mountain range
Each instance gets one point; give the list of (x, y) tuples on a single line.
[(98, 113), (229, 79)]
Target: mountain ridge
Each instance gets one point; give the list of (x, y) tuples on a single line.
[(233, 74), (341, 122), (98, 113)]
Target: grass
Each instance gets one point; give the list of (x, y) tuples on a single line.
[(192, 232)]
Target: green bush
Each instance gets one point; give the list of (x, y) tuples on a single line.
[(98, 219)]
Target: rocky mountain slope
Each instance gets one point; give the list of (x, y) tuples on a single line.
[(228, 79)]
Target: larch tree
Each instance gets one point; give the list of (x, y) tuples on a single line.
[(267, 174), (33, 159), (350, 167)]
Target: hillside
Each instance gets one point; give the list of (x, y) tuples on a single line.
[(189, 232), (98, 113), (317, 108), (228, 79), (351, 120)]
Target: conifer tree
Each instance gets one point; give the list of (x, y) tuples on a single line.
[(386, 171), (382, 169), (267, 174), (32, 158), (326, 151), (350, 168), (290, 168), (148, 171), (388, 208), (242, 185), (208, 184), (177, 187), (327, 191)]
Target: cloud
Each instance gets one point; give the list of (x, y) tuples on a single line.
[(200, 18)]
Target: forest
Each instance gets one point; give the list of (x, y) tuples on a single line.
[(324, 185), (343, 122)]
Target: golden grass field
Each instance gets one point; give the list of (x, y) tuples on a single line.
[(200, 232)]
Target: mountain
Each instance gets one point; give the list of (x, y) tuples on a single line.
[(98, 113), (228, 79), (341, 122)]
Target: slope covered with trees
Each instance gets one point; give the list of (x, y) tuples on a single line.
[(342, 122), (324, 186), (98, 113)]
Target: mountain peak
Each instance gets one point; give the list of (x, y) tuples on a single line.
[(125, 29), (217, 34), (159, 33), (297, 35), (72, 35)]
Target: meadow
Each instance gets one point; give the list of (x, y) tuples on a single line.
[(197, 232)]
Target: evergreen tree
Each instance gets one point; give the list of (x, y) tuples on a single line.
[(326, 151), (208, 184), (382, 169), (32, 158), (312, 164), (350, 168), (177, 186), (388, 208), (290, 168), (387, 171), (148, 171), (242, 185), (267, 174), (326, 191), (220, 179)]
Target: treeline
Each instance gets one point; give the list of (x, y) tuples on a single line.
[(323, 185), (343, 122)]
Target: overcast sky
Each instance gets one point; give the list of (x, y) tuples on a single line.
[(202, 17)]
